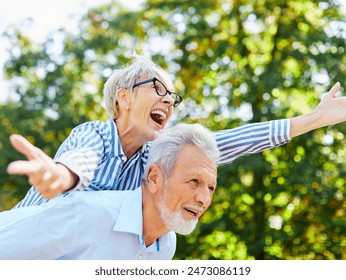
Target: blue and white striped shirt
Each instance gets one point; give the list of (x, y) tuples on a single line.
[(93, 151)]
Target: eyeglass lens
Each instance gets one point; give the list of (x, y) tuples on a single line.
[(162, 91)]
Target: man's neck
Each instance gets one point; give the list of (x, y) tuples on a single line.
[(153, 226)]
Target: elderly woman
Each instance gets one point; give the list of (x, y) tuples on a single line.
[(111, 155)]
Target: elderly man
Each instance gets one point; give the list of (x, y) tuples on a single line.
[(177, 187)]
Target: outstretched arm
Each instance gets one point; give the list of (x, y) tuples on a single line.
[(50, 178), (254, 138), (331, 110)]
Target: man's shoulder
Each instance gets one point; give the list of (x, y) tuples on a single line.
[(96, 198)]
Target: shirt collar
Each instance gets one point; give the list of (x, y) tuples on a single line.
[(130, 218), (117, 150), (132, 207)]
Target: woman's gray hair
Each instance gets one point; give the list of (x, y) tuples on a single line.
[(165, 148), (126, 77)]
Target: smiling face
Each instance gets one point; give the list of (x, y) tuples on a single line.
[(188, 192), (147, 112)]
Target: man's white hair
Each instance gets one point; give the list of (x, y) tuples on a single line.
[(165, 148)]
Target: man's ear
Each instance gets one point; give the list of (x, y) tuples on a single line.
[(154, 178), (123, 98)]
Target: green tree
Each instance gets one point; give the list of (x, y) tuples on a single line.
[(235, 62)]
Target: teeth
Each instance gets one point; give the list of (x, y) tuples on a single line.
[(194, 209), (162, 114)]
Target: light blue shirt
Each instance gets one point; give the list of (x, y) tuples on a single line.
[(93, 152), (83, 225)]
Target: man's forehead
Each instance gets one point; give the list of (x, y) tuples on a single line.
[(194, 161)]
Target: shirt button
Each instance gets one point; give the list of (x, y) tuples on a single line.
[(140, 256)]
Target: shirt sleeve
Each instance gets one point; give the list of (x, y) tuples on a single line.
[(251, 139), (82, 152)]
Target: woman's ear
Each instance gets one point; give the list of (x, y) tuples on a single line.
[(154, 178), (123, 99)]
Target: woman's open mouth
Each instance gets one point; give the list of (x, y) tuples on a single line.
[(158, 116)]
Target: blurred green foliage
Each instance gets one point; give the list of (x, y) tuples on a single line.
[(235, 62)]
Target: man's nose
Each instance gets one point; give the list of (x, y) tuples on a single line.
[(203, 196)]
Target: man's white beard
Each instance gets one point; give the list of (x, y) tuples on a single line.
[(175, 221)]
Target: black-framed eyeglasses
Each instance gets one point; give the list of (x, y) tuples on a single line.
[(161, 90)]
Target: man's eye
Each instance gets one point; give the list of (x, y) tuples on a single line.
[(212, 189), (194, 181)]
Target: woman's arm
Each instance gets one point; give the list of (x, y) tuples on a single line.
[(254, 138), (331, 110)]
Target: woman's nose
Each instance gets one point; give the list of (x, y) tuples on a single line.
[(168, 99)]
